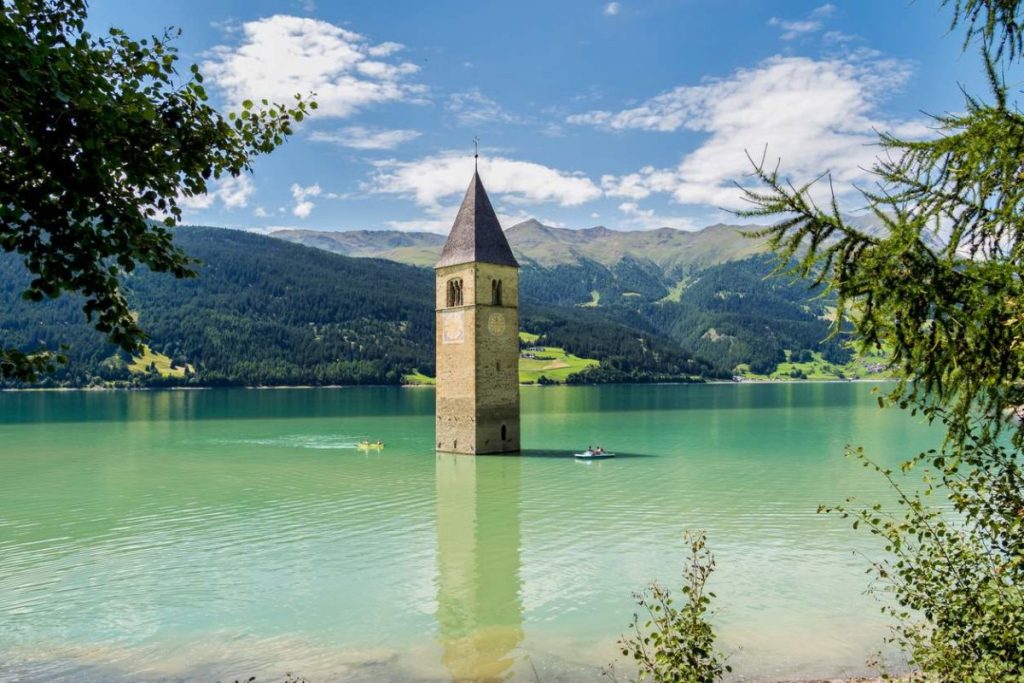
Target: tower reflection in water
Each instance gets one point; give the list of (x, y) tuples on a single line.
[(479, 607)]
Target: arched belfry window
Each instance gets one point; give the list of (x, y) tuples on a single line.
[(455, 292), (496, 292)]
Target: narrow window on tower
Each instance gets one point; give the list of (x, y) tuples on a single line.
[(496, 292), (454, 292), (504, 432)]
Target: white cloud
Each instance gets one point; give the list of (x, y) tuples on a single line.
[(359, 137), (612, 8), (639, 185), (815, 115), (647, 219), (199, 201), (235, 192), (303, 207), (230, 192), (837, 38), (385, 71), (826, 10), (384, 49), (633, 209), (437, 184), (260, 212), (474, 108), (282, 55), (552, 130), (432, 179), (797, 28)]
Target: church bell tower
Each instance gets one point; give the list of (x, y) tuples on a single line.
[(477, 304)]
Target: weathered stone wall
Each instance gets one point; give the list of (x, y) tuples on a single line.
[(478, 362), (497, 360), (455, 413), (509, 277)]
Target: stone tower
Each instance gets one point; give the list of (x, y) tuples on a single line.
[(477, 303)]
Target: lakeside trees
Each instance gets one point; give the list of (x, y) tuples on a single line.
[(100, 139), (952, 317)]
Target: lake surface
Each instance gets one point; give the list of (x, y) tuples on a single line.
[(209, 535)]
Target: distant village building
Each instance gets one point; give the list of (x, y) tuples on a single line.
[(477, 304)]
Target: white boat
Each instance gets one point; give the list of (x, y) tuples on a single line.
[(591, 455)]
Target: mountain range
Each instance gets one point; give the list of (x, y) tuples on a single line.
[(589, 267), (674, 251)]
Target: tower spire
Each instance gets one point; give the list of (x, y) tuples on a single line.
[(476, 235)]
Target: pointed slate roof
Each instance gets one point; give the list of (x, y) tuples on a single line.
[(476, 236)]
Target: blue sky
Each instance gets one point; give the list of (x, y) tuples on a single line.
[(631, 114)]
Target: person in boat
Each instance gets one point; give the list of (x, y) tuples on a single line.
[(599, 451), (379, 443), (590, 450), (366, 442)]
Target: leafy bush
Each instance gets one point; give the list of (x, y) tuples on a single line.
[(956, 582), (676, 643)]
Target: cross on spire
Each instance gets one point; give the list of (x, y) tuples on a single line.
[(476, 151)]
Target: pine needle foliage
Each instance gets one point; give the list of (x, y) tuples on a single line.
[(941, 287)]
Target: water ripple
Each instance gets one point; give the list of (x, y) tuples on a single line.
[(221, 548)]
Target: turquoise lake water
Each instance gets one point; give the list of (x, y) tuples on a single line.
[(209, 535)]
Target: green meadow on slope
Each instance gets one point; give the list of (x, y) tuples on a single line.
[(539, 363), (815, 367), (152, 362)]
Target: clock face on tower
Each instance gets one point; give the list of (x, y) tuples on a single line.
[(453, 327), (496, 324)]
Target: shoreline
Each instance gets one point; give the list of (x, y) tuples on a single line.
[(276, 387)]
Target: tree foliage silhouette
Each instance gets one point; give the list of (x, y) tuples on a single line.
[(100, 138), (953, 317)]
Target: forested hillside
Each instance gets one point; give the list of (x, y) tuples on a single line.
[(261, 311), (630, 348), (734, 314), (266, 312), (719, 318)]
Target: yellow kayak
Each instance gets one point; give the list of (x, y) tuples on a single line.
[(368, 446)]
